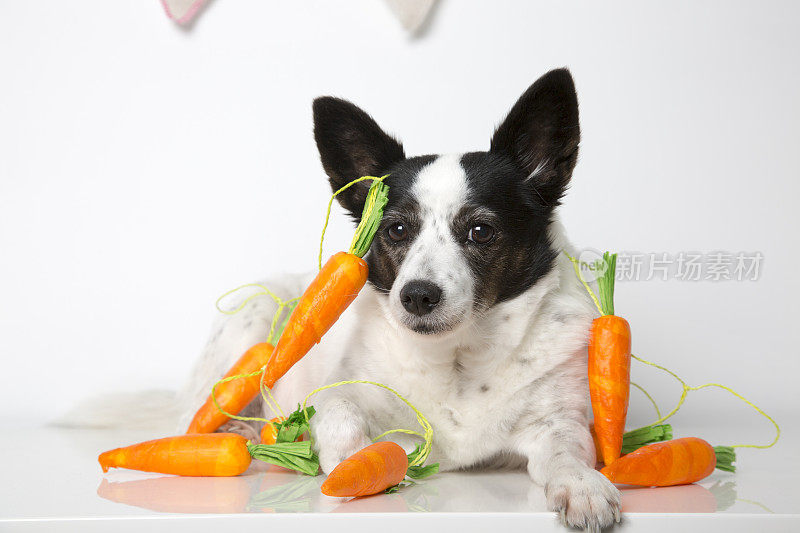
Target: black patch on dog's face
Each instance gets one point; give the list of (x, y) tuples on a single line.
[(520, 252), (514, 187), (386, 256)]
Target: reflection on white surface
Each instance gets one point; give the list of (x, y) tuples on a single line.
[(679, 499), (275, 490)]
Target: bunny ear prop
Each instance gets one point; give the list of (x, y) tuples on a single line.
[(182, 11), (412, 14)]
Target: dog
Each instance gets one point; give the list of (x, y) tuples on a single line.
[(471, 310)]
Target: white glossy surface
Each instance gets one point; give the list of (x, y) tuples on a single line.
[(51, 480)]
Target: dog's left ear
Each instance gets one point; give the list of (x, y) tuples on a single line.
[(541, 134), (351, 145)]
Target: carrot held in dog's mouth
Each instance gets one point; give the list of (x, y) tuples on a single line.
[(335, 287)]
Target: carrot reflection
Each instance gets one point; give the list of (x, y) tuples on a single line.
[(678, 499), (175, 494)]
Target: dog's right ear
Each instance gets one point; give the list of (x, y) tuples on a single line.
[(351, 145)]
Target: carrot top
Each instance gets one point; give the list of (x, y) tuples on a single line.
[(726, 456), (417, 470), (635, 439), (605, 283), (285, 451), (377, 198)]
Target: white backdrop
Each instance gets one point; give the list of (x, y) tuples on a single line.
[(145, 169)]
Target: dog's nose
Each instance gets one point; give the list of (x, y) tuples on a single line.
[(420, 297)]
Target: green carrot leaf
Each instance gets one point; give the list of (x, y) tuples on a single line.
[(295, 425), (726, 456), (605, 283), (633, 440), (293, 455), (393, 489), (377, 198), (420, 472)]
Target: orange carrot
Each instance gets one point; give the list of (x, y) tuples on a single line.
[(609, 382), (331, 292), (269, 433), (609, 368), (336, 286), (212, 454), (369, 471), (219, 454), (234, 395), (672, 462)]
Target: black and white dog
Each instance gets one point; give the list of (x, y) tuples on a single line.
[(471, 311)]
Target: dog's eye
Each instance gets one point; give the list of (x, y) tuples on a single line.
[(397, 231), (480, 233)]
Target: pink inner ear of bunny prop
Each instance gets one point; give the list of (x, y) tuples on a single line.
[(182, 11)]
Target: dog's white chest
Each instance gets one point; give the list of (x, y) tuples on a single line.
[(469, 400)]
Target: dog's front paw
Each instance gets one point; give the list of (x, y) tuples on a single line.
[(332, 454), (584, 498), (339, 430)]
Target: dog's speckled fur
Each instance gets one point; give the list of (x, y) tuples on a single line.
[(499, 365)]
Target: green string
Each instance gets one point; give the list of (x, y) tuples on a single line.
[(655, 405), (684, 387)]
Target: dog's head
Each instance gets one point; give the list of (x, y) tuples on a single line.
[(460, 233)]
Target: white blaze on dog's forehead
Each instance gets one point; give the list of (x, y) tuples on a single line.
[(440, 190), (441, 187), (436, 255)]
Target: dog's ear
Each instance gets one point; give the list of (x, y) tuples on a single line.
[(541, 134), (351, 145)]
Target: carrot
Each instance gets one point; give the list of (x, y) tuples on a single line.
[(331, 292), (663, 464), (218, 454), (234, 395), (212, 454), (269, 433), (369, 471), (609, 368), (336, 286)]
